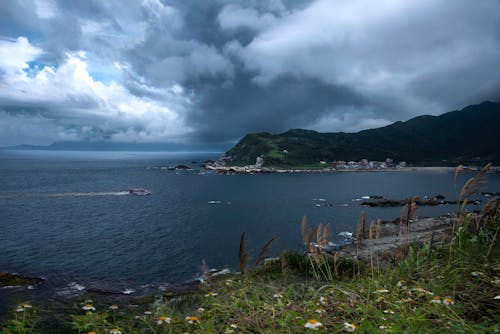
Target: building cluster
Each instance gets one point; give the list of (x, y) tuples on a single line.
[(365, 164)]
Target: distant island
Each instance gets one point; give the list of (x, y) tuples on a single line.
[(470, 135), (119, 147)]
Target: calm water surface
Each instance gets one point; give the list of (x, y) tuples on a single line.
[(67, 215)]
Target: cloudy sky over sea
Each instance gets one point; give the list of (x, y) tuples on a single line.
[(195, 71)]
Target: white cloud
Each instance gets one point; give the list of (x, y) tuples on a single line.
[(190, 64), (69, 102), (192, 60), (46, 9), (348, 119), (15, 54), (158, 10), (385, 48), (234, 17)]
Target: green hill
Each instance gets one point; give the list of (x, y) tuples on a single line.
[(470, 134)]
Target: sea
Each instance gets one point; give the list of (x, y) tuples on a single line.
[(68, 216)]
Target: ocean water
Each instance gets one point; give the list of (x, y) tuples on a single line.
[(67, 216)]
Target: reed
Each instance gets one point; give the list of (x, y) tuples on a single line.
[(490, 210), (473, 184), (303, 226), (264, 252), (378, 229), (371, 230), (461, 228), (430, 244), (205, 273), (284, 265), (402, 219), (322, 235), (336, 263), (459, 170), (363, 224), (243, 254), (411, 214), (371, 234), (315, 240), (317, 246)]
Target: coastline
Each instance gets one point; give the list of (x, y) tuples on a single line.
[(390, 237), (418, 258), (386, 248), (393, 237), (273, 170)]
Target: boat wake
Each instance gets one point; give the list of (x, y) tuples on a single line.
[(68, 194), (110, 193)]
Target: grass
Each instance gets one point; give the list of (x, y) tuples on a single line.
[(425, 293), (450, 286)]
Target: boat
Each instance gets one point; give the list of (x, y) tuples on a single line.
[(139, 191)]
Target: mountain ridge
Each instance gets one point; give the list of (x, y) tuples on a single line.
[(469, 134)]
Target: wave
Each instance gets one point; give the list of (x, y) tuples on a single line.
[(72, 289)]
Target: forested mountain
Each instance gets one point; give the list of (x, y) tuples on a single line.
[(470, 134)]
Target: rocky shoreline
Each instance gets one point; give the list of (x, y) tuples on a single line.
[(222, 169), (12, 280), (393, 238), (385, 246), (438, 200), (390, 245)]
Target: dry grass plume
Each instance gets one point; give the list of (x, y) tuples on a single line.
[(264, 251), (243, 254)]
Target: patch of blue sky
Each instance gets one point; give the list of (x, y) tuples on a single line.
[(103, 71), (34, 67), (11, 30), (106, 77)]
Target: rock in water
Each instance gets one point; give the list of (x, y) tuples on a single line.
[(9, 279), (182, 167)]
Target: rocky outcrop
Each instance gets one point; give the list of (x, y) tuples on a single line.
[(252, 169), (183, 167), (385, 202), (393, 239), (10, 279)]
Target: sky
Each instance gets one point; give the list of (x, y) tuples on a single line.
[(192, 72)]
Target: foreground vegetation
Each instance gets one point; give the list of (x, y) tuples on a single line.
[(446, 286)]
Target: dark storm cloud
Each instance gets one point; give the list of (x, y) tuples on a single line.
[(228, 102), (311, 64), (242, 106), (212, 71), (406, 58)]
